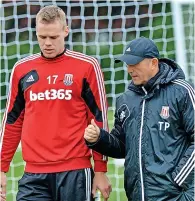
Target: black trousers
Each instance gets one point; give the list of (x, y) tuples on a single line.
[(63, 186)]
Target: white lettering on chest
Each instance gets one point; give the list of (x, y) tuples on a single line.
[(163, 125), (51, 94)]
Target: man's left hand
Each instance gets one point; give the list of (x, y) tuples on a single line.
[(102, 183)]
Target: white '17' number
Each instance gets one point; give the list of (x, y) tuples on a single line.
[(52, 79)]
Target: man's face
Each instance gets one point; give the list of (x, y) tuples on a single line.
[(51, 37), (142, 72)]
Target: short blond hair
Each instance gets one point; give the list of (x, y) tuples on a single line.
[(49, 14)]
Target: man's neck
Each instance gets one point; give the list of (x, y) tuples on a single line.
[(55, 56)]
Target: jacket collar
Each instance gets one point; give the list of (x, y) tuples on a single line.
[(59, 55), (151, 83), (169, 70)]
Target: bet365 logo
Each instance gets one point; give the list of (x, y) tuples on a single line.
[(51, 94)]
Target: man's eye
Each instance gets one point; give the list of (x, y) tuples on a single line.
[(42, 37)]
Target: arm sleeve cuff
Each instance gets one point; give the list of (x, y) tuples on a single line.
[(100, 166), (5, 166)]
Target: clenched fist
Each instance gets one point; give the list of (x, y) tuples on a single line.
[(92, 132)]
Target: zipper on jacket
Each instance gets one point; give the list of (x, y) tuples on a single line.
[(140, 145)]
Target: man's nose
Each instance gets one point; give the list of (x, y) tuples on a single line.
[(47, 42), (130, 69)]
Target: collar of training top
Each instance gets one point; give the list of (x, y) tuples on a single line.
[(54, 57)]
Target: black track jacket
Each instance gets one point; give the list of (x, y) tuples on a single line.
[(154, 131)]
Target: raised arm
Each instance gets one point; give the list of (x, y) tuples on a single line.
[(110, 144)]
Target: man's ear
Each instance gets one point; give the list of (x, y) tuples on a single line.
[(66, 31), (154, 63)]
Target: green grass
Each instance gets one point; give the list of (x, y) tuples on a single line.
[(115, 174)]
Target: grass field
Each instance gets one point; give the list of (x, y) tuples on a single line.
[(115, 173)]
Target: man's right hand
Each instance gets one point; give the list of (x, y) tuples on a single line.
[(92, 132), (3, 186)]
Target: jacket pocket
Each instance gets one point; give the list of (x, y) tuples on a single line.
[(185, 184), (170, 177), (161, 185)]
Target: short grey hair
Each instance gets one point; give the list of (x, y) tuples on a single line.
[(49, 14)]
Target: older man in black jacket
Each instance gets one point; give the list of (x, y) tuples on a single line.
[(154, 128)]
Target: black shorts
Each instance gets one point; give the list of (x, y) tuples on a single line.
[(63, 186)]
